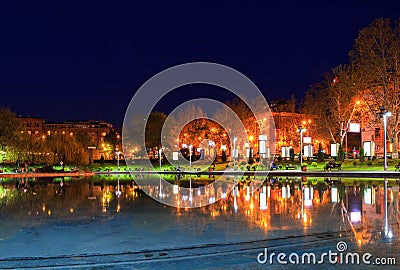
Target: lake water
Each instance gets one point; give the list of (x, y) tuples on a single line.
[(94, 221)]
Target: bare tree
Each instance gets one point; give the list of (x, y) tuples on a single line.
[(376, 58), (333, 103)]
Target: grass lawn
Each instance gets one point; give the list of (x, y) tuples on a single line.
[(347, 165), (355, 165)]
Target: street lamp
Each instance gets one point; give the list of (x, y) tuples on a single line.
[(384, 114), (159, 156), (118, 153), (301, 129), (234, 153), (190, 157)]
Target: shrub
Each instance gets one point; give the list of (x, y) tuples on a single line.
[(340, 156), (355, 163), (291, 154), (369, 163), (314, 164), (321, 155), (362, 155), (223, 157)]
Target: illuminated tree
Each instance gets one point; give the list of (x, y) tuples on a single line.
[(9, 131), (333, 103), (66, 149), (376, 58), (112, 141), (154, 126)]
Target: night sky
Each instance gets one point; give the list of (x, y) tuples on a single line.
[(83, 61)]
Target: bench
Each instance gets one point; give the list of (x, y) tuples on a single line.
[(273, 166), (291, 167), (333, 165)]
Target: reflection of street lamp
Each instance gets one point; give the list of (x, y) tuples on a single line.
[(118, 192), (118, 153), (384, 114), (301, 129)]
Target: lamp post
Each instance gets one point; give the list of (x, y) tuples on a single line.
[(118, 153), (301, 129), (385, 114), (190, 157), (159, 156), (234, 153)]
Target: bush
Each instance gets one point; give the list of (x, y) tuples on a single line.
[(369, 163), (279, 158), (291, 154), (223, 156), (340, 156), (355, 163), (314, 164), (321, 154), (362, 155)]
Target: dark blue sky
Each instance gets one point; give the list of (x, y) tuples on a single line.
[(85, 60)]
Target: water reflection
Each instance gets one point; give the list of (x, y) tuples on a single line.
[(368, 209)]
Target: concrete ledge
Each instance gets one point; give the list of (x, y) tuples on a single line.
[(31, 175)]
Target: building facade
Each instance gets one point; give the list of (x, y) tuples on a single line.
[(96, 132)]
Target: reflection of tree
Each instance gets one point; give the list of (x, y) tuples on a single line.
[(44, 201)]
